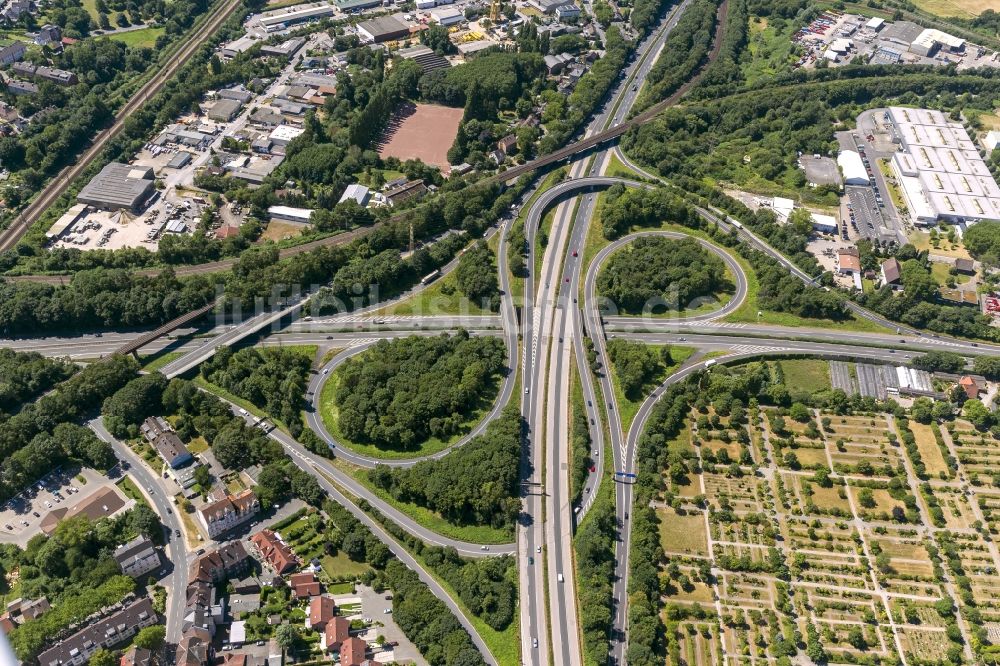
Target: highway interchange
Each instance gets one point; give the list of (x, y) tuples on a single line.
[(541, 353)]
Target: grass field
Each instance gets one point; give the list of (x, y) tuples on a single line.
[(929, 451), (329, 413), (922, 241), (154, 362), (771, 50), (142, 38), (341, 566), (682, 533), (958, 8), (278, 231), (806, 374), (441, 297), (940, 274)]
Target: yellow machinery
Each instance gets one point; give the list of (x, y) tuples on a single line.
[(495, 7)]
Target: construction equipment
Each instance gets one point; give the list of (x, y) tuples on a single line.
[(495, 11)]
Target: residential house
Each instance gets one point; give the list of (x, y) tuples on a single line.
[(322, 609), (49, 34), (166, 442), (337, 630), (136, 656), (848, 261), (890, 273), (352, 652), (194, 648), (358, 192), (104, 633), (507, 144), (137, 557), (274, 552), (970, 386), (402, 193), (226, 561), (11, 51), (225, 512), (304, 585)]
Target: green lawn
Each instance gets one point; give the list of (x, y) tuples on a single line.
[(154, 362), (806, 374), (627, 409), (441, 297), (130, 490), (341, 566), (617, 168), (143, 38), (329, 413)]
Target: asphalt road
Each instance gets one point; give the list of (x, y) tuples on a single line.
[(176, 551)]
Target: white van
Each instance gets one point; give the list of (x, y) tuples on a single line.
[(559, 577)]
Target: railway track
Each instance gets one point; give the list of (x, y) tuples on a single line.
[(13, 234)]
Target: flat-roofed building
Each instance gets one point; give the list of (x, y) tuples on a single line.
[(447, 15), (852, 167), (382, 29), (940, 173), (282, 135), (297, 14), (290, 214), (118, 186)]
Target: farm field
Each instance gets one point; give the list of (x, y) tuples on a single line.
[(818, 525)]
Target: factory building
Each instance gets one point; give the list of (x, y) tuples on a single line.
[(853, 168), (119, 186), (382, 29), (295, 15), (941, 174)]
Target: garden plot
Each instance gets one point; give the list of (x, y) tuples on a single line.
[(840, 644), (795, 443), (746, 590), (682, 534), (688, 590), (860, 443), (958, 513), (875, 503), (977, 451), (739, 496), (698, 644), (930, 452), (745, 641), (811, 498), (826, 554), (719, 440), (927, 644)]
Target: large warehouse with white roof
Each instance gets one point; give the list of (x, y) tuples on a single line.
[(940, 172)]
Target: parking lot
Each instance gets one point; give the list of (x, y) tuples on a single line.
[(820, 170), (21, 517)]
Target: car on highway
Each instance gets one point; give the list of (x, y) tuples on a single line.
[(538, 549), (534, 643), (531, 559), (559, 577), (574, 253)]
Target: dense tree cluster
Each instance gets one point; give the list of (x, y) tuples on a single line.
[(28, 437), (400, 392), (25, 375), (99, 299), (645, 627), (983, 242), (399, 85), (273, 378), (655, 273), (473, 485), (595, 560), (639, 207), (781, 292), (486, 586), (427, 621), (939, 361), (684, 51), (129, 406), (635, 364), (477, 276)]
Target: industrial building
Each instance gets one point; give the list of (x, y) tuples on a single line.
[(290, 214), (852, 167), (224, 110), (941, 175), (348, 6), (425, 57), (118, 186), (382, 29), (297, 14), (447, 16), (282, 135)]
